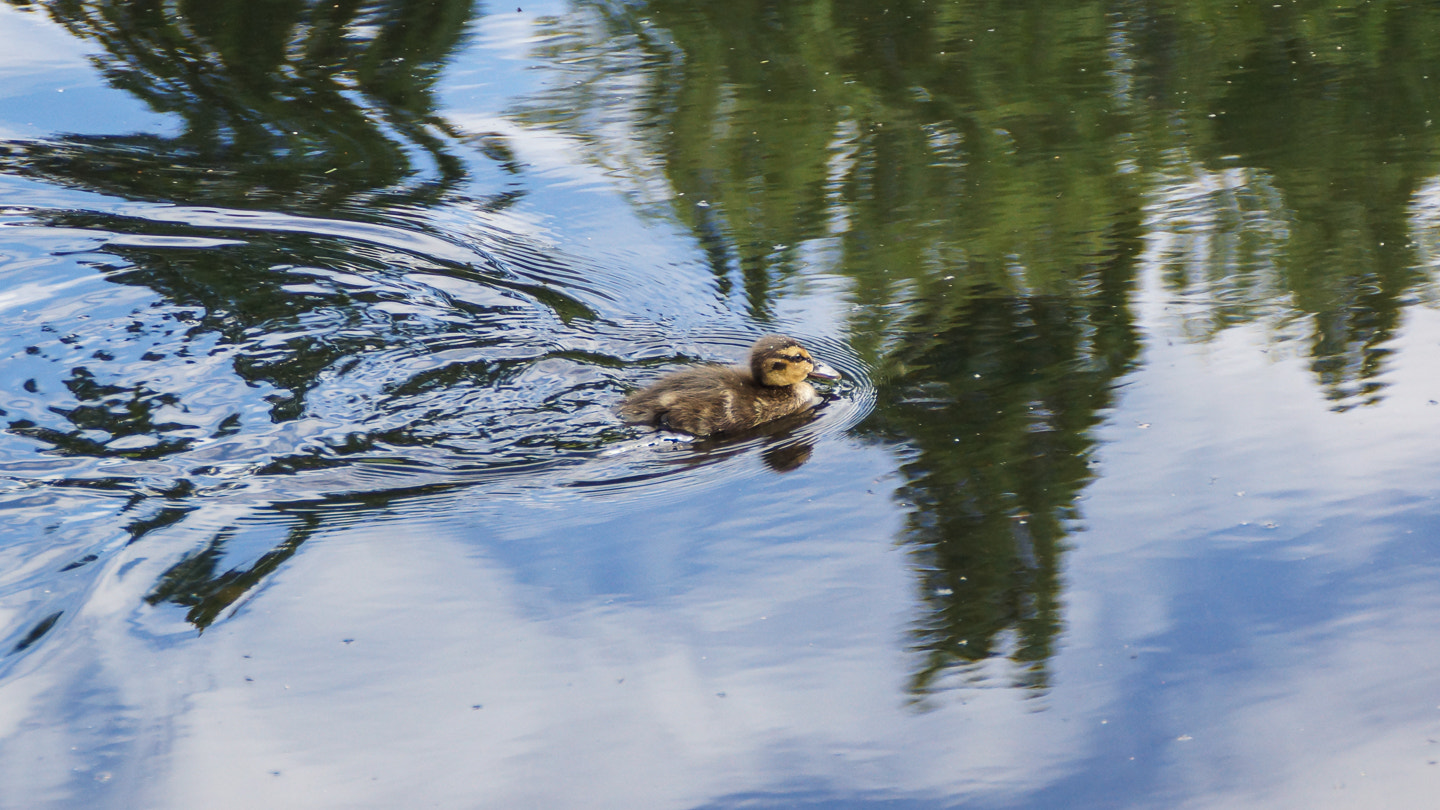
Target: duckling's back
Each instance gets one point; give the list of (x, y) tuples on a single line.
[(713, 399)]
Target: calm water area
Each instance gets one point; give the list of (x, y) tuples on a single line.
[(314, 319)]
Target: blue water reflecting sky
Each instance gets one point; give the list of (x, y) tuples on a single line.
[(49, 86)]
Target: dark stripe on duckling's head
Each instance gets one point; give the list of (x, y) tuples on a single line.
[(778, 360)]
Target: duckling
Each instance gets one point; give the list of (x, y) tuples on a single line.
[(706, 400)]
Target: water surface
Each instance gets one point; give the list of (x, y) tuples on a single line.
[(314, 319)]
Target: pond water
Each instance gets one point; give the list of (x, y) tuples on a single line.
[(314, 319)]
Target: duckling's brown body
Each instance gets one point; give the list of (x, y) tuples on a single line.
[(707, 400)]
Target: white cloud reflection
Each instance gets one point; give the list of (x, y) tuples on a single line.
[(775, 666)]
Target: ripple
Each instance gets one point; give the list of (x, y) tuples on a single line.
[(309, 359), (656, 458)]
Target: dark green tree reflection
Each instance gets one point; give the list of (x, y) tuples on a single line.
[(206, 588), (287, 108), (1327, 114), (969, 186), (990, 177), (283, 105), (994, 416), (319, 109)]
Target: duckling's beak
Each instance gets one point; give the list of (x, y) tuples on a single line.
[(824, 372)]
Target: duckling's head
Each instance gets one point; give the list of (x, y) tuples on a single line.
[(777, 360)]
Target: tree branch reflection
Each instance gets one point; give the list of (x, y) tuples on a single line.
[(285, 106)]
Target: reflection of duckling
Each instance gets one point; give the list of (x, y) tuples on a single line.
[(706, 400)]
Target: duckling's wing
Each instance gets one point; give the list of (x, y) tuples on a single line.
[(699, 400)]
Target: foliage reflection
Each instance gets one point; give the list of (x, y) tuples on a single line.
[(315, 109), (283, 105), (990, 178)]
